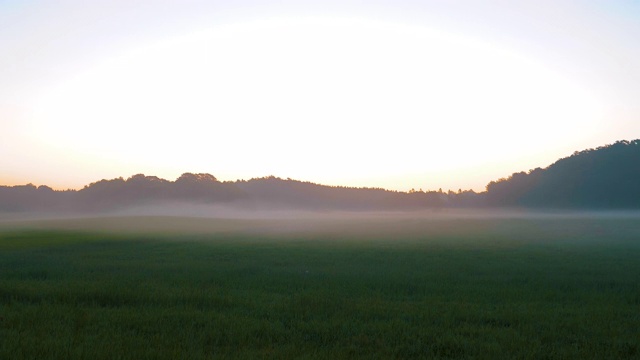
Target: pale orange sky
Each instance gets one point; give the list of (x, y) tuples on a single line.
[(399, 95)]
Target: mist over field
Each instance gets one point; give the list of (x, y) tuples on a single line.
[(319, 180), (447, 284), (185, 219)]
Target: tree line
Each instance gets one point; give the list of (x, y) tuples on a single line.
[(607, 177)]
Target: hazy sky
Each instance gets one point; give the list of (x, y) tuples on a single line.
[(396, 94)]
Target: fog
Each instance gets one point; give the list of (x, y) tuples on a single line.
[(176, 219)]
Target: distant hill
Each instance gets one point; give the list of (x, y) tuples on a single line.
[(604, 178), (607, 177)]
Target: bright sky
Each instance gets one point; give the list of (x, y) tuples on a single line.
[(396, 94)]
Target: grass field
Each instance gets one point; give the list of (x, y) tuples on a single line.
[(530, 288)]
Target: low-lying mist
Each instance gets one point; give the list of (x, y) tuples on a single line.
[(176, 219)]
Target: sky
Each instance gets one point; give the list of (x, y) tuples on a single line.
[(394, 94)]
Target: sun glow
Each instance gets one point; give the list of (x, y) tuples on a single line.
[(342, 101)]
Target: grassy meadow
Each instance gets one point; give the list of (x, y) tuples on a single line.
[(377, 288)]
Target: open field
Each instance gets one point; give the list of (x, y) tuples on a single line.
[(330, 287)]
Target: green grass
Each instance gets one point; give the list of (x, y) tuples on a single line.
[(481, 289)]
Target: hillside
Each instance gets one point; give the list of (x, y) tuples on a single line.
[(607, 177)]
